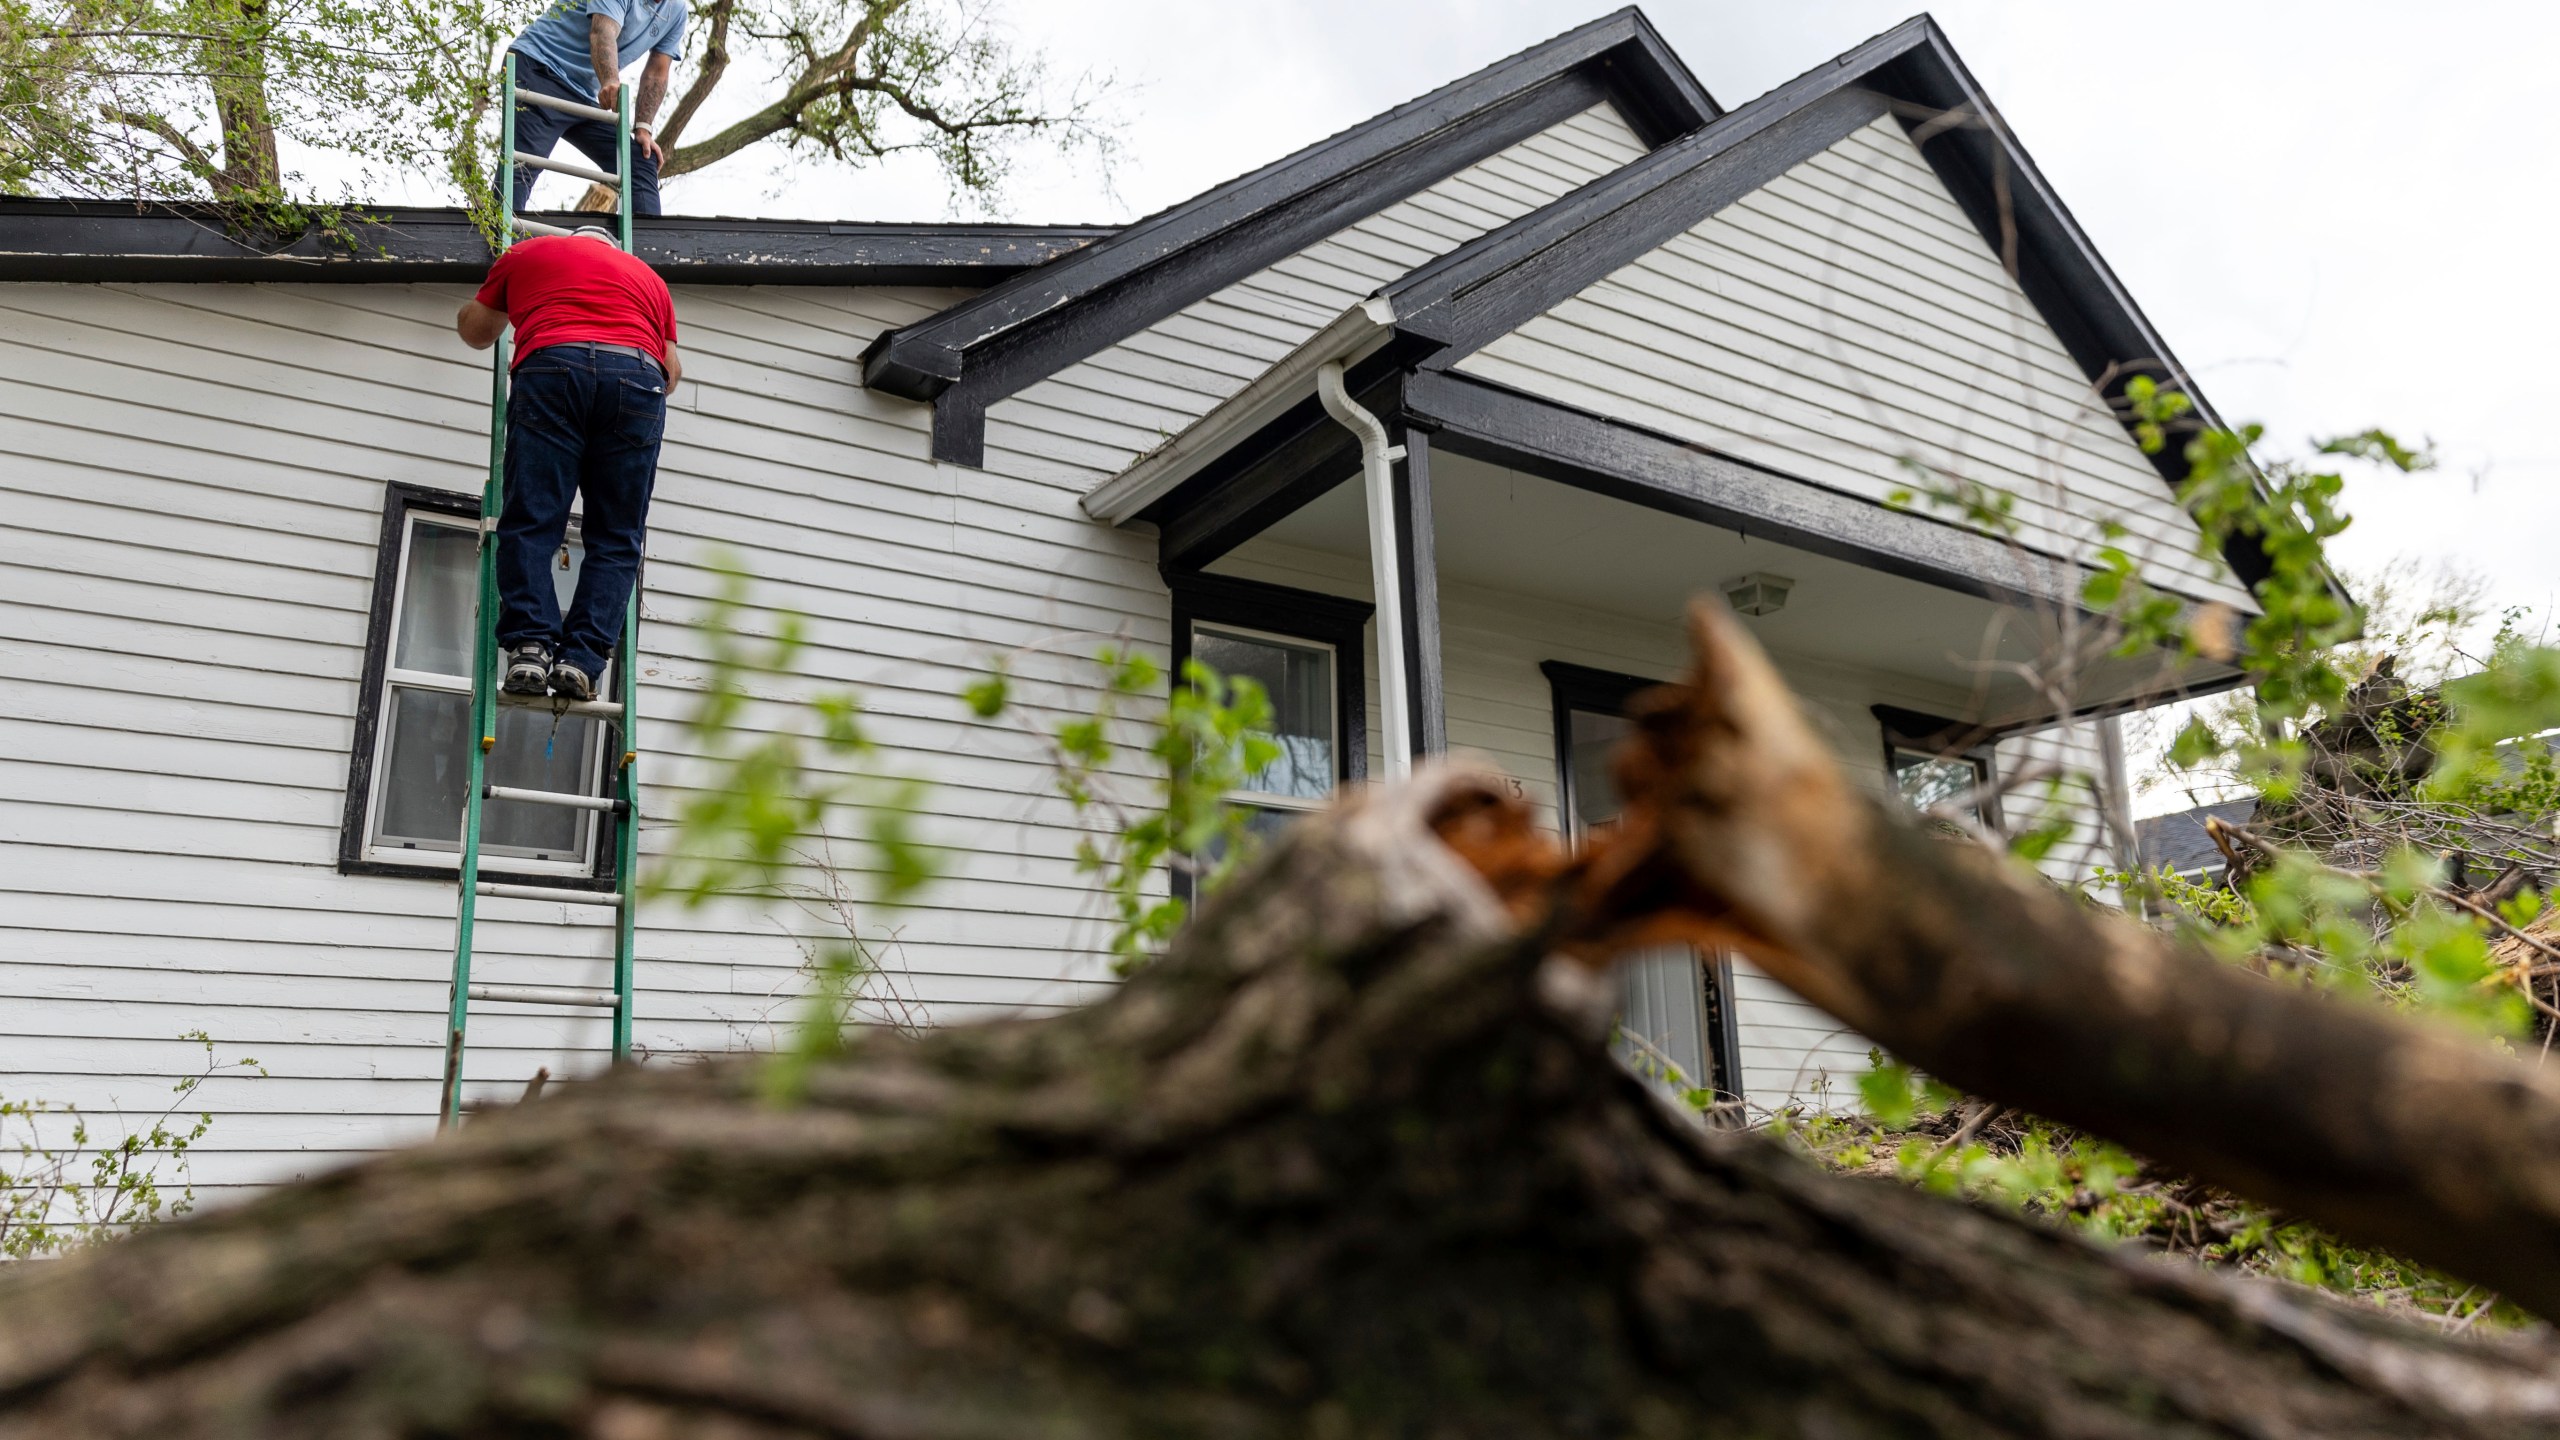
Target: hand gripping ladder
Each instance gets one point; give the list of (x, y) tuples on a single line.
[(622, 802)]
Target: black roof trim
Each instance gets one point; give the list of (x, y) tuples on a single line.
[(1571, 446), (976, 353), (94, 240), (1485, 288), (1495, 283)]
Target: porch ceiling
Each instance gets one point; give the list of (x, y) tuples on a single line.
[(1506, 531)]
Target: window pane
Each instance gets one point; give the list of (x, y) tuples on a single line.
[(437, 592), (1299, 679), (1927, 781), (1662, 1017), (426, 760), (1592, 738), (435, 600), (1262, 828)]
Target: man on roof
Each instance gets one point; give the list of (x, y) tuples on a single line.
[(595, 361), (578, 50)]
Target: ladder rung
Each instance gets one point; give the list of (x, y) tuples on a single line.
[(566, 107), (561, 798), (568, 167), (548, 892), (536, 227), (592, 709), (547, 995)]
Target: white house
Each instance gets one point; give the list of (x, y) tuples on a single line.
[(1626, 346)]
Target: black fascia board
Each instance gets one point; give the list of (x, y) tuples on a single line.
[(93, 240), (1490, 286), (1502, 426), (978, 352), (1486, 288), (1983, 163), (1290, 461)]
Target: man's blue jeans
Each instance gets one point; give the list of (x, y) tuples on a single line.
[(539, 131), (579, 422)]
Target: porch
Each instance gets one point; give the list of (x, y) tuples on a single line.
[(1540, 562)]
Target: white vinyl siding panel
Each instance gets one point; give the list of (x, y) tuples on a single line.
[(188, 535), (2071, 755), (1846, 325), (1088, 421)]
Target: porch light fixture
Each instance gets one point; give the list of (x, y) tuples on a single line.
[(1758, 593)]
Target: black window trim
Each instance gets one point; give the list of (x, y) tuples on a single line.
[(1581, 687), (1944, 739), (1295, 614), (400, 500)]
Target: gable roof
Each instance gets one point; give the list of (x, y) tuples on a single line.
[(1502, 279), (100, 240), (988, 347), (1445, 310)]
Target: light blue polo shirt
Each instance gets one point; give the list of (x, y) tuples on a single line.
[(558, 38)]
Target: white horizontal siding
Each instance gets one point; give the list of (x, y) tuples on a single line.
[(1083, 424), (2068, 757), (188, 528), (1844, 324)]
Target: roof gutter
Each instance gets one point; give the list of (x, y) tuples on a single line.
[(1349, 337)]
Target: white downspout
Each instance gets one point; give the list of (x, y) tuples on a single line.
[(1375, 456)]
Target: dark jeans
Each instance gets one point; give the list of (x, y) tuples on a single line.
[(539, 131), (579, 422)]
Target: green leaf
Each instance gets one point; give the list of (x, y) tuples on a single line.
[(1885, 1091), (988, 696)]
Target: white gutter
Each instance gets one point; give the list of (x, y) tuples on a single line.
[(1152, 476), (1376, 456)]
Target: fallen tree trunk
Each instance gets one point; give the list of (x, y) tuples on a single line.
[(1351, 1161), (1740, 829)]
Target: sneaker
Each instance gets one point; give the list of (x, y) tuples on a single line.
[(571, 683), (528, 669)]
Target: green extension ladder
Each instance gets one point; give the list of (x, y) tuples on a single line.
[(622, 802)]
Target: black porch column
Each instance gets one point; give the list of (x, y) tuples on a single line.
[(1419, 577)]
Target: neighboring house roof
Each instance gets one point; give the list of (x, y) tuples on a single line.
[(1445, 310), (978, 352), (92, 240), (2179, 840)]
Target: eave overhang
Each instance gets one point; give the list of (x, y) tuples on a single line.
[(1350, 337), (88, 240), (1486, 288), (975, 353)]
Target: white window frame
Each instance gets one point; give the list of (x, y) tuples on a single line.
[(493, 860)]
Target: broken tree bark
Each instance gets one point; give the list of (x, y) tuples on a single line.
[(1351, 1161), (1741, 830)]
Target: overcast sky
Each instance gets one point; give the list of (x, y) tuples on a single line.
[(2339, 214)]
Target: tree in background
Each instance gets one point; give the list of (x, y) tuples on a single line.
[(193, 100), (170, 100), (857, 81)]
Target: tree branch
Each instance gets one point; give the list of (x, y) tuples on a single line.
[(1352, 1157), (188, 150), (1740, 830), (715, 64)]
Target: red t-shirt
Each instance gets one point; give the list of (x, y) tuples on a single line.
[(557, 288)]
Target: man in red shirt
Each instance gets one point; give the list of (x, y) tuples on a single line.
[(595, 362)]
